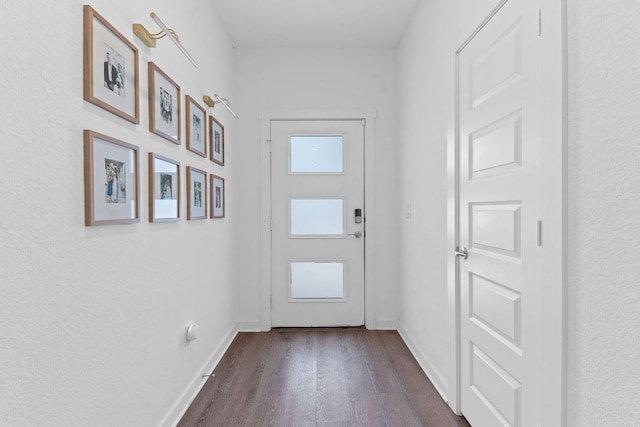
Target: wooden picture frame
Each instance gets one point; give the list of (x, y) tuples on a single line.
[(218, 200), (216, 141), (196, 123), (110, 68), (164, 189), (196, 193), (111, 180), (164, 105)]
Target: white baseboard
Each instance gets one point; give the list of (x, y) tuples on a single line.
[(249, 326), (434, 376), (387, 324), (187, 397)]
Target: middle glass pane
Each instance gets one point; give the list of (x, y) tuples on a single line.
[(317, 217)]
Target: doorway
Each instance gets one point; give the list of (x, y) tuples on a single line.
[(318, 219), (318, 223), (507, 239)]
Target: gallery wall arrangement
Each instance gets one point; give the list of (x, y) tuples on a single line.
[(112, 166)]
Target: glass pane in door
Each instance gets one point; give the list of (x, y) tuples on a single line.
[(317, 280), (317, 217), (316, 154)]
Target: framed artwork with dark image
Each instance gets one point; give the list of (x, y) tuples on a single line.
[(164, 189), (110, 68), (216, 139), (217, 209), (196, 123), (196, 193), (164, 105), (111, 180)]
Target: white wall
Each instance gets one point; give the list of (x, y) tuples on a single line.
[(92, 318), (426, 82), (604, 202), (338, 79), (603, 295)]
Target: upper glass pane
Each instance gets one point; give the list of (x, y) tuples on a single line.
[(317, 154)]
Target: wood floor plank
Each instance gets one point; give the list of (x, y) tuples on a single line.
[(240, 393), (383, 376), (268, 390), (332, 397), (319, 377), (356, 371), (422, 394), (291, 398), (360, 389), (398, 411), (300, 404)]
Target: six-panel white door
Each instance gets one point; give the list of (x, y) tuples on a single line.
[(499, 207), (317, 173)]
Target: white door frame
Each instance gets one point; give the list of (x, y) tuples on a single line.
[(266, 117), (553, 258)]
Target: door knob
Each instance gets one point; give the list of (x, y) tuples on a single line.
[(358, 234), (462, 252)]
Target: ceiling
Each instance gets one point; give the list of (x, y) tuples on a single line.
[(315, 23)]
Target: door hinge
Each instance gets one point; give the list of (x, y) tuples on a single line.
[(269, 142), (271, 224), (539, 237), (364, 122), (539, 22)]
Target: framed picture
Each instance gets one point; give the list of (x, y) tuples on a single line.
[(196, 193), (164, 105), (164, 189), (110, 68), (216, 139), (217, 197), (196, 123), (111, 180)]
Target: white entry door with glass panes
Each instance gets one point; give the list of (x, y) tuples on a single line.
[(317, 196)]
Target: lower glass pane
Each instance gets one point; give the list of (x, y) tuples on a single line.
[(317, 280)]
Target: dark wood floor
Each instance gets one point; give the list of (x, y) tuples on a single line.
[(319, 377)]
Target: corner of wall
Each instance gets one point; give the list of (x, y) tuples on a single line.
[(387, 324), (250, 326)]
